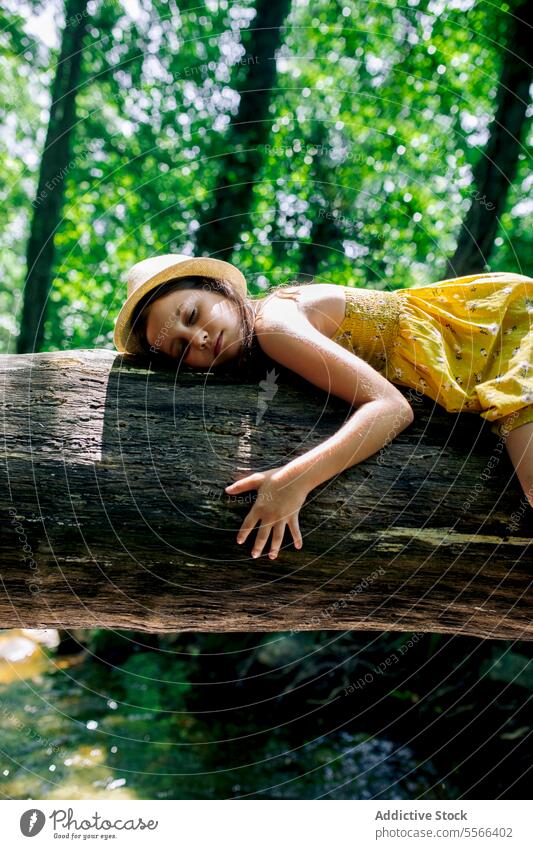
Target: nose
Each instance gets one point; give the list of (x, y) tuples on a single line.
[(199, 339)]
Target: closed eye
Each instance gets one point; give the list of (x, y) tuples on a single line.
[(190, 321)]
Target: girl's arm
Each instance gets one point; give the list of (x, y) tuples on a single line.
[(289, 338)]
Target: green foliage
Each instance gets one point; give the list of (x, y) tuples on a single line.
[(511, 667), (379, 115), (152, 681)]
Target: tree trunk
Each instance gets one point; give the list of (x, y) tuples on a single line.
[(115, 516), (496, 167), (326, 234), (55, 164), (228, 214)]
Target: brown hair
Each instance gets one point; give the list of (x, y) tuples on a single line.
[(251, 349)]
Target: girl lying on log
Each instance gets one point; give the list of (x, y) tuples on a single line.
[(467, 343)]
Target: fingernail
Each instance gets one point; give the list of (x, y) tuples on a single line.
[(272, 556), (255, 554)]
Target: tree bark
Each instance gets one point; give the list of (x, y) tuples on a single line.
[(222, 223), (51, 186), (115, 516), (496, 168)]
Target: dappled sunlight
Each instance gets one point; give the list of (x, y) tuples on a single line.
[(245, 444), (21, 653), (89, 777)]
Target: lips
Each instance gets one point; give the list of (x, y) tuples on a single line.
[(218, 343)]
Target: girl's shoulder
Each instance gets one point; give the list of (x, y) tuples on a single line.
[(323, 304)]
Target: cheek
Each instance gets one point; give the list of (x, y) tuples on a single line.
[(225, 311), (233, 319), (219, 314)]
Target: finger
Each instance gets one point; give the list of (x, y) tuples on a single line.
[(248, 525), (277, 539), (261, 540), (295, 530), (249, 482)]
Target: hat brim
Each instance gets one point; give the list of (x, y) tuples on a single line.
[(123, 338)]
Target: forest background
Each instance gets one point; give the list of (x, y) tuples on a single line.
[(380, 144)]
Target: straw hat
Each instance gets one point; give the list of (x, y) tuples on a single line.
[(150, 273)]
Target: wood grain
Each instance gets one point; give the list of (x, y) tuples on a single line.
[(115, 516)]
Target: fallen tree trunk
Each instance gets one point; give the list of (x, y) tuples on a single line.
[(114, 511)]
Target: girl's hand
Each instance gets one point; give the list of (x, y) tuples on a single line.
[(277, 504)]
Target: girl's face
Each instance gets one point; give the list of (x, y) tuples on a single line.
[(196, 326)]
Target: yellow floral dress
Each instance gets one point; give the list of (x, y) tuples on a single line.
[(467, 343)]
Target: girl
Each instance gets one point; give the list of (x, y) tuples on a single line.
[(467, 343)]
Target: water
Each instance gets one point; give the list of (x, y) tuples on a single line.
[(64, 737)]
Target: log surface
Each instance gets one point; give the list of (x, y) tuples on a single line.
[(115, 516)]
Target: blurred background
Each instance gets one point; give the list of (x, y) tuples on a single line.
[(360, 143)]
